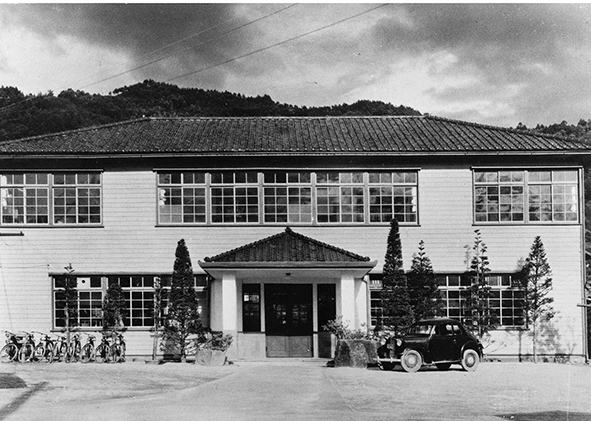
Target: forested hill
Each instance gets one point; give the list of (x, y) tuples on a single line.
[(30, 115)]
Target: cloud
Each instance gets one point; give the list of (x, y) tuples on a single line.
[(490, 63)]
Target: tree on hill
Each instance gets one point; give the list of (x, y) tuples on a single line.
[(30, 115)]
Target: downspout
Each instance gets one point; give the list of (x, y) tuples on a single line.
[(584, 310)]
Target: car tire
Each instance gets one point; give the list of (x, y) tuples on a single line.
[(443, 366), (470, 360), (411, 361)]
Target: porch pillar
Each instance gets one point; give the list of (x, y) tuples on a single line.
[(224, 303), (346, 300)]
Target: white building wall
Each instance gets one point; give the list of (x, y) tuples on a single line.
[(131, 242)]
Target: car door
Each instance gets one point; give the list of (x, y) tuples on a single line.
[(444, 344)]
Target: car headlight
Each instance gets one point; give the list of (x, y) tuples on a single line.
[(398, 342)]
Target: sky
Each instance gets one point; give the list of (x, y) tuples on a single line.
[(499, 64)]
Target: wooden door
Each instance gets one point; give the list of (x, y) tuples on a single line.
[(288, 320)]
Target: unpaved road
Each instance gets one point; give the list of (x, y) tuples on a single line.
[(293, 390)]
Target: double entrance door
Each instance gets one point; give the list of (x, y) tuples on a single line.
[(288, 320)]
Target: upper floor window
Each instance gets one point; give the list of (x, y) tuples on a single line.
[(287, 197), (234, 197), (298, 197), (393, 195), (340, 197), (50, 199), (526, 196)]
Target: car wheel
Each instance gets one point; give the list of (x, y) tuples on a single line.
[(443, 366), (470, 360), (386, 366), (411, 361)]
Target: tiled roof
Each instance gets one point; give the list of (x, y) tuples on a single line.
[(287, 246), (290, 135)]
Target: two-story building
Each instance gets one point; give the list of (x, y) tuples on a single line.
[(286, 221)]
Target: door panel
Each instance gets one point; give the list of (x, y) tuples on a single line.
[(288, 320)]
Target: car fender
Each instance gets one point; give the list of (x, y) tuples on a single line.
[(472, 345)]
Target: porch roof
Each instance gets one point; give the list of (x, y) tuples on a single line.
[(287, 249)]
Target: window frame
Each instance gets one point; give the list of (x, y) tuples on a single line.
[(273, 205), (527, 183), (460, 287), (503, 283), (104, 280), (53, 187)]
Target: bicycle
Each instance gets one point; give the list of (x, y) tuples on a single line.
[(102, 352), (60, 349), (74, 349), (118, 348), (44, 349), (87, 354), (9, 352), (26, 353)]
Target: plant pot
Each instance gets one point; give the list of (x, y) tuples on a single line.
[(210, 357), (355, 353)]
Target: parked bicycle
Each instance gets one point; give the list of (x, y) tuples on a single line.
[(44, 349), (26, 353), (102, 352), (117, 348), (60, 349), (87, 354), (9, 351), (74, 349)]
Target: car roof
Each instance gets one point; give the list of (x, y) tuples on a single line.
[(438, 320)]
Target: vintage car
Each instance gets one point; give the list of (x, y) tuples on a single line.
[(439, 342)]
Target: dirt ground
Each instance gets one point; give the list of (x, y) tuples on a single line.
[(293, 390)]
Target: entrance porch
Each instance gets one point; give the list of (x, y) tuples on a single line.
[(275, 295)]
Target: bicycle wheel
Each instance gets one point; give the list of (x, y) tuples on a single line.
[(74, 352), (87, 353), (26, 353), (49, 352), (102, 353), (60, 351), (39, 353), (8, 353), (117, 355)]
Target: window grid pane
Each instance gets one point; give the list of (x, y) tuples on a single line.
[(287, 197), (26, 201), (397, 197), (506, 300), (551, 196)]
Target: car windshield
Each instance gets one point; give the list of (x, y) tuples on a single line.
[(420, 329)]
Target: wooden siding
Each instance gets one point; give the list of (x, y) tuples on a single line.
[(130, 241)]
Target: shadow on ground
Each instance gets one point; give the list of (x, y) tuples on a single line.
[(10, 381), (14, 405), (548, 416)]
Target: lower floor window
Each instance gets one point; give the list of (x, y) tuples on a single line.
[(138, 292), (507, 300)]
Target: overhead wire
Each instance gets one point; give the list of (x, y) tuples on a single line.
[(276, 44), (192, 46), (214, 38), (171, 54)]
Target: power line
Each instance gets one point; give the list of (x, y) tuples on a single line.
[(276, 45), (169, 55), (164, 47), (191, 47)]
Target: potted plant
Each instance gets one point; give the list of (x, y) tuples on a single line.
[(212, 347)]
